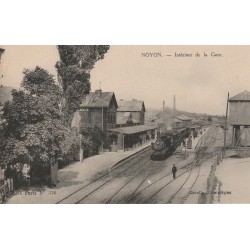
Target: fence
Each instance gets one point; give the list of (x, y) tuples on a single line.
[(16, 176), (6, 190), (207, 197)]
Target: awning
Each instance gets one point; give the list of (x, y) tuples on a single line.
[(133, 129)]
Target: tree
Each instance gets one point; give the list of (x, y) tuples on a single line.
[(92, 138), (73, 69), (70, 147), (1, 52), (34, 132)]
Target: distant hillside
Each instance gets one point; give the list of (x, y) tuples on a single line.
[(5, 94)]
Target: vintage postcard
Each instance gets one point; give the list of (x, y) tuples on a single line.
[(106, 124)]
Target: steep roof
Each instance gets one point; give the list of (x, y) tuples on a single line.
[(243, 96), (131, 106), (98, 99)]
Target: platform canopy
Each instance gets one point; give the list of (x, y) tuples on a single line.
[(133, 129)]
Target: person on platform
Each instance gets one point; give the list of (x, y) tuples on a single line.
[(174, 170)]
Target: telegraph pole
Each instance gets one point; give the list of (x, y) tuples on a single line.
[(225, 128), (174, 110)]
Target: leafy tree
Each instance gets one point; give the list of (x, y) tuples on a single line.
[(70, 147), (83, 55), (73, 69), (92, 138), (34, 131), (1, 52)]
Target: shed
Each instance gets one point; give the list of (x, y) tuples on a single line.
[(239, 109), (239, 118)]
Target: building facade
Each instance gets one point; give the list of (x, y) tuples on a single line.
[(130, 113), (131, 131), (239, 118), (122, 124), (97, 109)]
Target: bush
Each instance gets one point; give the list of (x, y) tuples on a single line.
[(92, 139)]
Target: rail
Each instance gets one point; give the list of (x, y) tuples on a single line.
[(117, 167)]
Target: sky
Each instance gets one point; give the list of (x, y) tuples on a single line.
[(199, 83)]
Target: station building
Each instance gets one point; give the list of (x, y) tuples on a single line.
[(122, 123), (131, 130), (130, 113), (97, 109)]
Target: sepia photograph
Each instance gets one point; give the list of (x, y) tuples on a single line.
[(139, 111), (124, 124)]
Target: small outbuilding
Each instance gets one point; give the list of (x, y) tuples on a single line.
[(239, 118)]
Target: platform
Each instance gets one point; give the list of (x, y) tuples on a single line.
[(73, 177)]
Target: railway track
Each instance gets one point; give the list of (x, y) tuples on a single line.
[(127, 182), (128, 187), (183, 187), (201, 158), (146, 178), (197, 176), (139, 197), (200, 146), (99, 182), (132, 197), (103, 193)]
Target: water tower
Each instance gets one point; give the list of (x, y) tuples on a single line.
[(239, 118)]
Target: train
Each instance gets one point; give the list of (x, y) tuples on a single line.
[(167, 142)]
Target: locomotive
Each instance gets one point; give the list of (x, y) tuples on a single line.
[(167, 143)]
